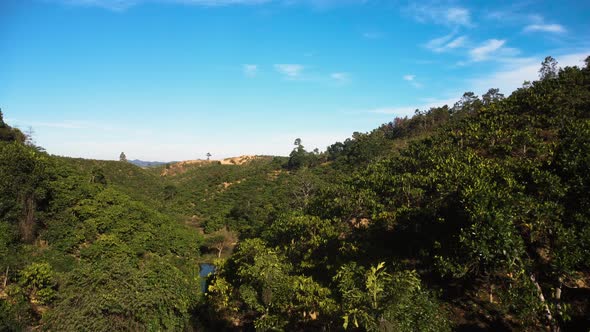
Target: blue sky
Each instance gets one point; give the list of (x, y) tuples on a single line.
[(175, 79)]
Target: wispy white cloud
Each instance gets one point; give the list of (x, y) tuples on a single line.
[(516, 12), (412, 79), (115, 5), (290, 70), (457, 15), (121, 5), (514, 72), (250, 70), (446, 43), (124, 4), (323, 4), (340, 77), (64, 124), (439, 41), (491, 48), (509, 77), (440, 14), (457, 42), (402, 111), (372, 35), (221, 2), (424, 62), (554, 28), (61, 125), (516, 15), (486, 49), (150, 147)]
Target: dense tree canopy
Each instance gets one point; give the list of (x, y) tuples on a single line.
[(466, 216)]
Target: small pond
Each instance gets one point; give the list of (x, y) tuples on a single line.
[(205, 270)]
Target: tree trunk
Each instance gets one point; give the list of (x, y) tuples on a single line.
[(552, 322), (490, 288), (27, 221), (6, 277), (557, 296)]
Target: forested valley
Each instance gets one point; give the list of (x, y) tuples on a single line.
[(466, 217)]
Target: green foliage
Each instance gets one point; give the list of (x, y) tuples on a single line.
[(494, 194), (243, 198), (257, 279), (132, 273), (376, 300), (487, 196), (120, 263), (37, 280), (9, 134), (490, 192), (119, 294), (15, 311), (8, 245), (140, 184), (220, 240), (300, 158), (98, 176), (23, 186), (306, 240), (548, 69)]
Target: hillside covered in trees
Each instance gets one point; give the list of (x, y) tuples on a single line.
[(466, 217)]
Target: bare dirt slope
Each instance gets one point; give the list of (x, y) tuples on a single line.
[(182, 166)]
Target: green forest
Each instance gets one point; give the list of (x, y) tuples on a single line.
[(466, 217)]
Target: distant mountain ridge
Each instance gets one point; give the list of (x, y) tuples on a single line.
[(142, 163)]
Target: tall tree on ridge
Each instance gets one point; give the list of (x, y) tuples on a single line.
[(548, 69)]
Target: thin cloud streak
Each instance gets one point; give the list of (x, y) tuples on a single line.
[(122, 5), (412, 80), (250, 70), (459, 16), (507, 79), (554, 28), (486, 49), (402, 111), (340, 77), (66, 125), (290, 70), (492, 48), (516, 71), (446, 43), (439, 14), (533, 22)]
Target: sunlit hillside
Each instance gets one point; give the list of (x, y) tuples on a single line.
[(294, 165)]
